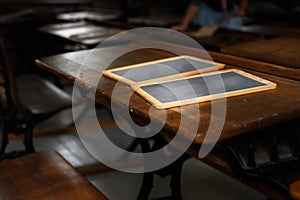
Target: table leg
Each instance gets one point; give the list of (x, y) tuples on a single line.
[(4, 138), (173, 170), (28, 138), (147, 186)]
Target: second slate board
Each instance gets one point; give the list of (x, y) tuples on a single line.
[(200, 88)]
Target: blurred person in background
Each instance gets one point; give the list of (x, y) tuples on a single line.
[(223, 13)]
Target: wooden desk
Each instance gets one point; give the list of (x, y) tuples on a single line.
[(280, 51), (81, 32), (225, 38), (162, 20), (245, 114), (46, 2), (98, 16), (22, 16)]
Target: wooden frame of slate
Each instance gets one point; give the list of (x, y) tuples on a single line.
[(193, 89), (163, 69)]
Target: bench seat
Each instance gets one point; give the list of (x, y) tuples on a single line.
[(44, 175)]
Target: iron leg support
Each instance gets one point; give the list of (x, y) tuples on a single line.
[(28, 140), (4, 140), (147, 186)]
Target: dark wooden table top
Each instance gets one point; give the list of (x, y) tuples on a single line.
[(244, 113), (46, 2), (226, 37), (93, 15), (81, 32), (160, 20), (282, 51)]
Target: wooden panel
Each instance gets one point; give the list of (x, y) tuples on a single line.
[(287, 72), (44, 175), (281, 51), (174, 93)]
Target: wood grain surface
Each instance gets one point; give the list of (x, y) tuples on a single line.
[(281, 51), (44, 175)]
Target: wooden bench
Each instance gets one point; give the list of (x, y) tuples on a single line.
[(44, 175)]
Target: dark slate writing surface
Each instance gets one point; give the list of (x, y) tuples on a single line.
[(162, 69), (167, 91)]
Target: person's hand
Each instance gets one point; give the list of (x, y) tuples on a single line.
[(179, 27), (190, 13)]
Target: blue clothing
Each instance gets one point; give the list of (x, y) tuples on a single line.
[(225, 19), (217, 4)]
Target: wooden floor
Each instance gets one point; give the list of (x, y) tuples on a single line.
[(197, 178)]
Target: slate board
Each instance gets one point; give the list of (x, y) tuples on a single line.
[(176, 92), (163, 69)]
